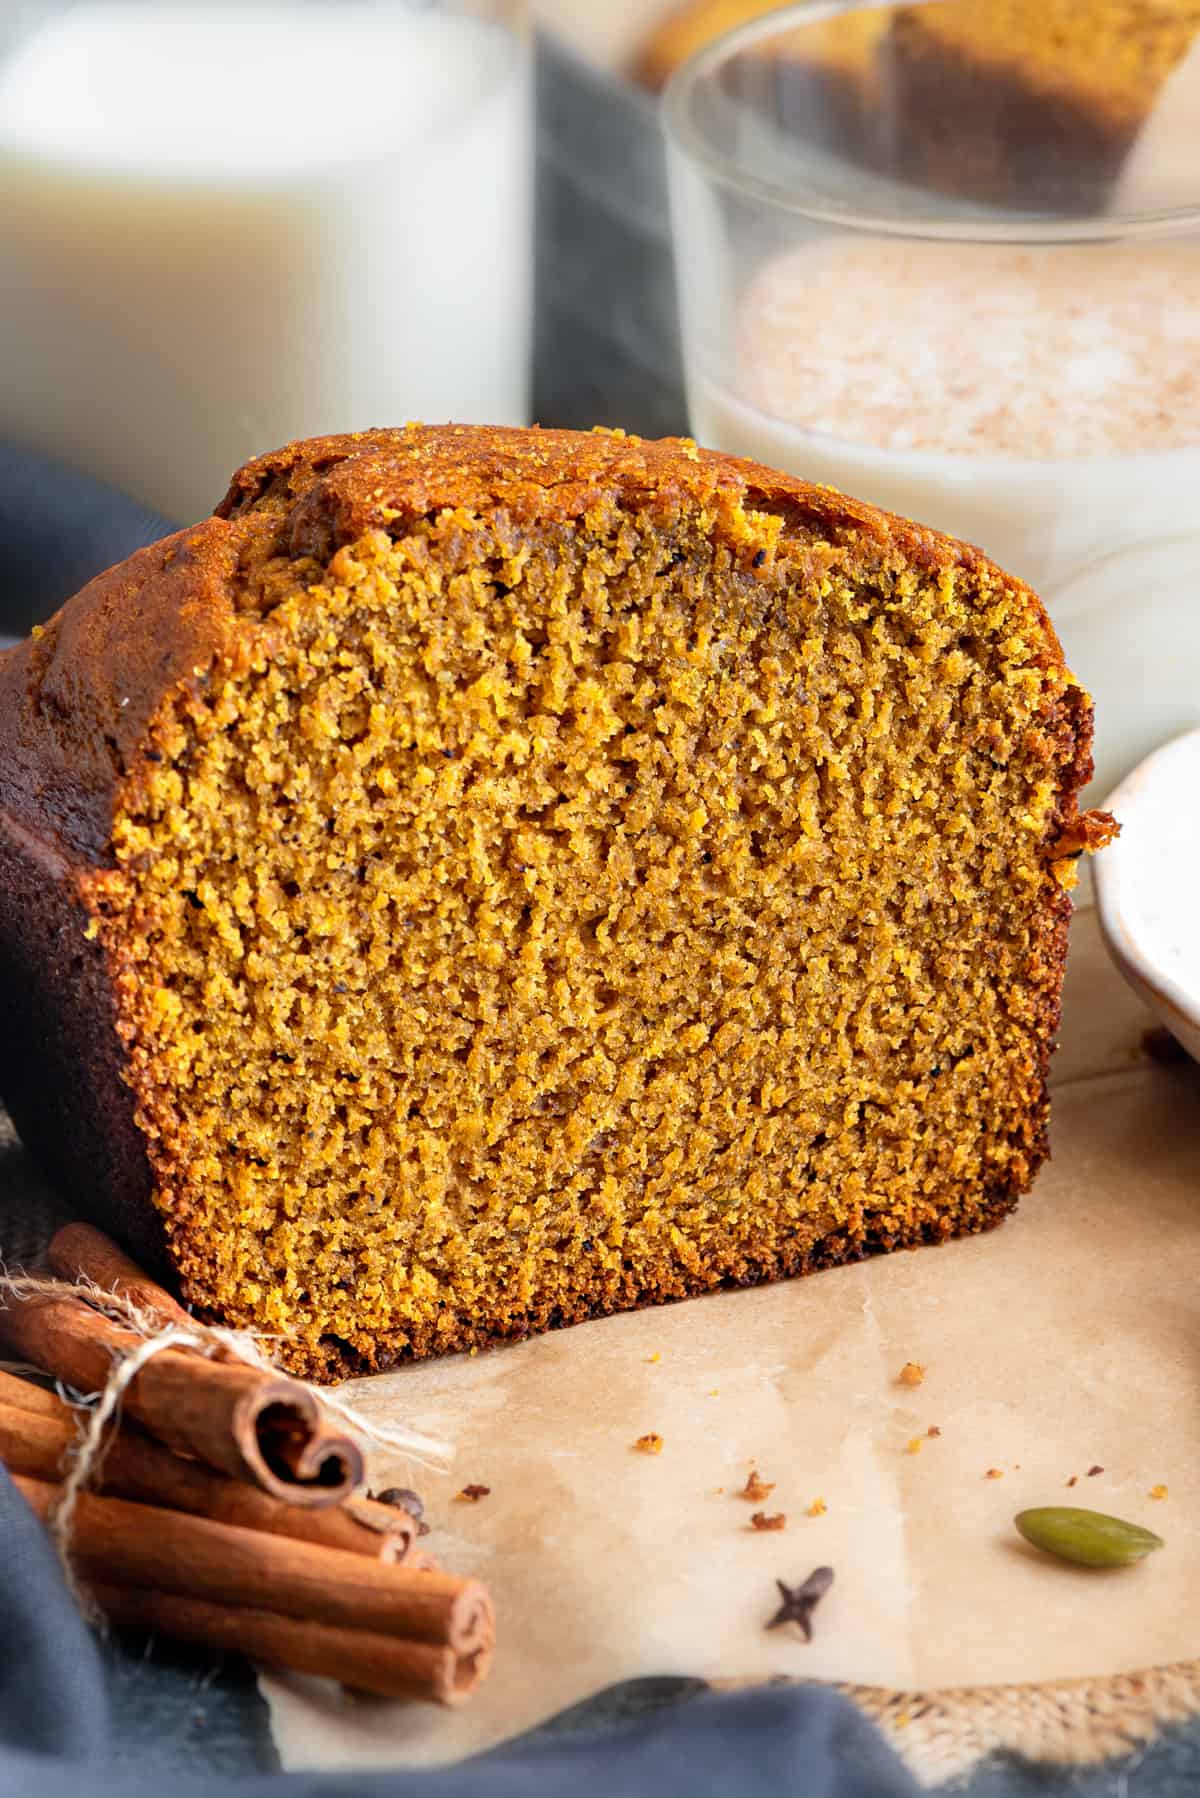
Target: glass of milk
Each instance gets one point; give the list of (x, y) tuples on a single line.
[(230, 223), (915, 277)]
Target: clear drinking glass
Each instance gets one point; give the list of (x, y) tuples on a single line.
[(959, 275), (229, 223)]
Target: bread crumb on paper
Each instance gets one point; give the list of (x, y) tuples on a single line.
[(756, 1488)]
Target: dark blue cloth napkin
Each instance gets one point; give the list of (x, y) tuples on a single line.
[(57, 529), (773, 1743)]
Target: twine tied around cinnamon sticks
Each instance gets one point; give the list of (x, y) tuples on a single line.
[(233, 1518), (213, 1344), (103, 1327)]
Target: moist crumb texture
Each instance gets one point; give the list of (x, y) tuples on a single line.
[(555, 874)]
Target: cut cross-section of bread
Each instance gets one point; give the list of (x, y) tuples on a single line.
[(481, 880)]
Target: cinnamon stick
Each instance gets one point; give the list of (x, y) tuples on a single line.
[(38, 1434), (357, 1658), (82, 1249), (239, 1419), (150, 1549), (28, 1397)]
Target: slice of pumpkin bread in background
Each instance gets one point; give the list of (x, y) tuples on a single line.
[(1030, 103)]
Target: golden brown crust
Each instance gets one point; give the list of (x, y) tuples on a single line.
[(76, 704), (76, 697), (342, 487)]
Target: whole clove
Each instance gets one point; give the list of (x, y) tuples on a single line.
[(799, 1602)]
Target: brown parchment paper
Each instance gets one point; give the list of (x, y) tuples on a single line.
[(1069, 1339)]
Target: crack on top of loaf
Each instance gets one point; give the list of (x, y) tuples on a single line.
[(301, 505), (328, 492)]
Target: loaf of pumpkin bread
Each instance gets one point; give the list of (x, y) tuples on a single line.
[(484, 879)]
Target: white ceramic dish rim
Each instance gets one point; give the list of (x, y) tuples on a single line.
[(1133, 954)]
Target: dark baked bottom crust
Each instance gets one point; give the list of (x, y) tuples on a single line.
[(840, 1248)]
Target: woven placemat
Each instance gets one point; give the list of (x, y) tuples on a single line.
[(1069, 1723), (1066, 1723)]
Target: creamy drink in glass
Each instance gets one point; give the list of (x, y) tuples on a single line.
[(1022, 371), (228, 223)]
